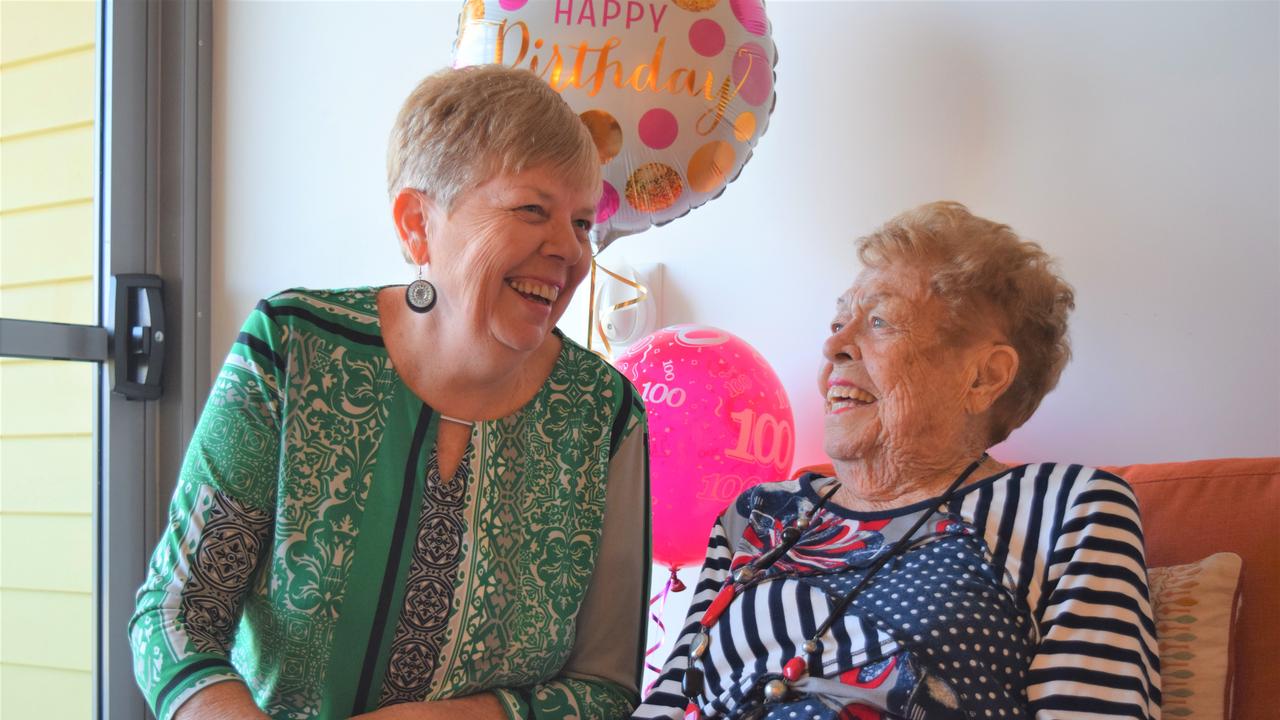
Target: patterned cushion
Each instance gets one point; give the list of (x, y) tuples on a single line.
[(1195, 607)]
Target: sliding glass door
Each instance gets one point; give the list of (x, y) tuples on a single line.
[(86, 335)]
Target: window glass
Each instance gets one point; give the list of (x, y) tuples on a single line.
[(48, 272), (48, 151), (47, 476)]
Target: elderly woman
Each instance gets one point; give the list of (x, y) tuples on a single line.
[(419, 502), (927, 579)]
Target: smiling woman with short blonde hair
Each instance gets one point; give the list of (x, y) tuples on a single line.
[(419, 501)]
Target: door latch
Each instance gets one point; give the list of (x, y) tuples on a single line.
[(138, 342)]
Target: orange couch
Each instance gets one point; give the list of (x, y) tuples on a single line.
[(1193, 509)]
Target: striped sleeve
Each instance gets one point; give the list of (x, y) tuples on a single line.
[(1097, 655), (666, 699), (188, 609)]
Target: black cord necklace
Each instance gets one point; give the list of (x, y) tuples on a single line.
[(691, 685)]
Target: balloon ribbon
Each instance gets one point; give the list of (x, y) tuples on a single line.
[(594, 322), (673, 585)]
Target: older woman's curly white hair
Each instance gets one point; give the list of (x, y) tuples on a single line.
[(982, 269)]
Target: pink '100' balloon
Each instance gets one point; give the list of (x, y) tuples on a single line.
[(675, 92), (719, 422)]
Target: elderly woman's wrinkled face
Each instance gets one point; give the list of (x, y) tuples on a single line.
[(894, 387), (509, 255)]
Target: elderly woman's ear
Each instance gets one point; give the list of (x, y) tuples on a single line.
[(410, 210), (994, 368)]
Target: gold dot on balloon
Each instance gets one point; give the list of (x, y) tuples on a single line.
[(745, 126), (605, 132), (696, 5), (654, 187), (710, 166)]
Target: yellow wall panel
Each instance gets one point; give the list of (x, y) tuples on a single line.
[(48, 629), (47, 475), (66, 302), (29, 28), (47, 244), (48, 93), (39, 397), (46, 552), (42, 169), (44, 693)]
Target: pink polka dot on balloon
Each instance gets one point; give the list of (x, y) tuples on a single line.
[(510, 5), (658, 128), (752, 73), (749, 12), (608, 204), (706, 37)]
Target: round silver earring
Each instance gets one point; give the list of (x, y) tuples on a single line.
[(420, 296)]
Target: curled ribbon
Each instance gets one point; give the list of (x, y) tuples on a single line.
[(673, 585), (594, 322)]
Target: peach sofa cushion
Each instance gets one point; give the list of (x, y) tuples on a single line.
[(1194, 607)]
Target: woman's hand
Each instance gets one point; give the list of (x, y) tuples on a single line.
[(481, 705), (228, 700)]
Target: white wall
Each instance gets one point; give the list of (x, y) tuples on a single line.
[(1140, 143)]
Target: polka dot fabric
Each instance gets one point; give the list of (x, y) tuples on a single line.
[(963, 645), (676, 93)]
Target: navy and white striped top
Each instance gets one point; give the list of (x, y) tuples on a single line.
[(1026, 596)]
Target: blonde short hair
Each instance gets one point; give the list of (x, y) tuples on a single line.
[(460, 127), (982, 269)]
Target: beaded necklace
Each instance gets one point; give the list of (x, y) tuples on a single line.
[(692, 684)]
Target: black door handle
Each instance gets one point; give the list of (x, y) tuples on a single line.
[(138, 342)]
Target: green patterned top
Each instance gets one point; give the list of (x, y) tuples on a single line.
[(314, 552)]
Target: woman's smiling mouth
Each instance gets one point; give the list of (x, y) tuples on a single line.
[(534, 291), (842, 397)]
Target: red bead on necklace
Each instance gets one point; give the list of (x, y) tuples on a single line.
[(794, 669), (723, 598)]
